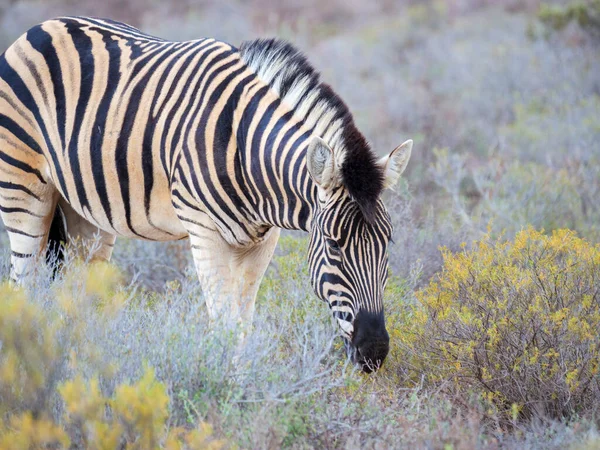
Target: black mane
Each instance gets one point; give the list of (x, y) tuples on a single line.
[(290, 74)]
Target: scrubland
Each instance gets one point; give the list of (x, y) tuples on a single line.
[(494, 302)]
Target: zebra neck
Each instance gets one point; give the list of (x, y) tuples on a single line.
[(272, 144)]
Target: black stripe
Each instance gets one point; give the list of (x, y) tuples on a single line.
[(294, 183), (201, 151), (9, 75), (223, 133), (177, 105), (22, 255), (194, 222), (253, 165), (242, 138), (21, 165), (177, 134), (34, 71), (41, 41), (292, 191), (216, 93), (24, 233), (273, 157), (4, 96), (12, 126), (340, 303), (150, 57), (8, 210), (147, 158), (118, 28), (180, 197), (18, 187)]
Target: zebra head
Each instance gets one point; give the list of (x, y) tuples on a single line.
[(348, 250)]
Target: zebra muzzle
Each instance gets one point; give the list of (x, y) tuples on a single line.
[(370, 343)]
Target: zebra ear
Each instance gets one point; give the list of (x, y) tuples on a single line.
[(321, 163), (394, 164)]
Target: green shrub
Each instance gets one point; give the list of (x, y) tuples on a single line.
[(586, 14), (516, 322)]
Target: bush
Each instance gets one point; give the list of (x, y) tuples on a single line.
[(516, 322), (136, 415), (586, 14), (39, 348)]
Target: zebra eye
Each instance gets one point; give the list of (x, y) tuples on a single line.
[(333, 245)]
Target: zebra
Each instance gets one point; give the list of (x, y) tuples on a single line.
[(107, 131)]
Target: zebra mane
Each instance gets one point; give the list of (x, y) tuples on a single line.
[(287, 71)]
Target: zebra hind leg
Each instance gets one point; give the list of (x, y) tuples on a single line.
[(27, 211)]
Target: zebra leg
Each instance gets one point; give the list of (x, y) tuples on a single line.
[(253, 263), (27, 211), (229, 276), (81, 230)]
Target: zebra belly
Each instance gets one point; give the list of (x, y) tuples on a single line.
[(166, 227)]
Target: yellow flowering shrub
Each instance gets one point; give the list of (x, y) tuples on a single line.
[(35, 384), (137, 415), (29, 359), (517, 322)]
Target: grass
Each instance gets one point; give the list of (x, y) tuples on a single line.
[(289, 386)]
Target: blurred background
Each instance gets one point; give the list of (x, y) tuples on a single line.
[(502, 99)]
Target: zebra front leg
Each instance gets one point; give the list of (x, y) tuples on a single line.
[(230, 277), (253, 263)]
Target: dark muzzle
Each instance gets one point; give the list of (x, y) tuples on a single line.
[(370, 342)]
